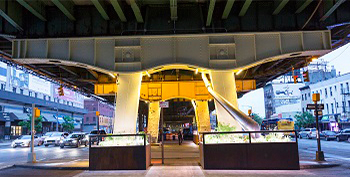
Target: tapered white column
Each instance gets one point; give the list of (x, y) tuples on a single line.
[(202, 116), (127, 103), (223, 82), (153, 120)]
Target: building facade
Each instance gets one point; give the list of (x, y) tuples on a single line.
[(335, 95), (105, 118), (282, 100), (19, 90)]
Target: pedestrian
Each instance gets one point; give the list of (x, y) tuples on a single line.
[(179, 136)]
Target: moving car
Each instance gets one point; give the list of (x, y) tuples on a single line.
[(307, 133), (343, 135), (95, 132), (24, 141), (328, 135), (54, 139), (74, 139)]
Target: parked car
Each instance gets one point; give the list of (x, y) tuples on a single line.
[(25, 140), (55, 138), (95, 132), (74, 139), (307, 133), (328, 135), (343, 135)]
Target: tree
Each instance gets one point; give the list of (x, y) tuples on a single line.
[(257, 118), (38, 126), (304, 119), (68, 124)]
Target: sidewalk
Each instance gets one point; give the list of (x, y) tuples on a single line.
[(186, 154)]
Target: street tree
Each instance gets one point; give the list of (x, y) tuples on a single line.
[(68, 124), (304, 119), (26, 124), (257, 118)]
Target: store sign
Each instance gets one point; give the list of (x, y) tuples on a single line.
[(313, 106), (164, 104), (39, 85)]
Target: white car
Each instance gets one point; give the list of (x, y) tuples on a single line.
[(24, 141), (54, 139)]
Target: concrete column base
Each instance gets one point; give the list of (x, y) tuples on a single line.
[(153, 120), (127, 103), (223, 82)]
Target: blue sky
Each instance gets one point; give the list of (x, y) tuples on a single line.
[(339, 58)]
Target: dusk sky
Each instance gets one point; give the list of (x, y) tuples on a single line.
[(339, 58)]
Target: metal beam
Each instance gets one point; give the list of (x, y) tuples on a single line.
[(303, 6), (67, 70), (101, 7), (173, 9), (245, 7), (37, 8), (332, 9), (136, 10), (280, 7), (228, 8), (118, 9), (66, 6), (93, 73), (210, 11), (11, 18)]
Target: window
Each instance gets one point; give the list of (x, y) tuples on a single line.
[(320, 92), (309, 94), (30, 93), (303, 109), (36, 95), (332, 108), (347, 87), (330, 91), (2, 86), (44, 97), (325, 92), (305, 97), (302, 97), (16, 130), (21, 90), (94, 119), (335, 88), (344, 105), (337, 105), (14, 89), (341, 88), (87, 119), (327, 108)]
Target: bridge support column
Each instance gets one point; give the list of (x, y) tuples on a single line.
[(127, 104), (202, 116), (153, 120), (223, 82)]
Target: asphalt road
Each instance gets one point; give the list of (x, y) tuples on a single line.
[(10, 156), (333, 150)]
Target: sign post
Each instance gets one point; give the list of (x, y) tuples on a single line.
[(162, 104), (318, 109)]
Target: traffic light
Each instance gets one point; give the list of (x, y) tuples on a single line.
[(306, 76), (295, 77), (60, 91), (36, 112)]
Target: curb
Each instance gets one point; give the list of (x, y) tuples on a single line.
[(51, 168), (6, 167), (313, 166)]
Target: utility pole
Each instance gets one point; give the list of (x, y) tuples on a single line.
[(57, 119), (32, 155), (161, 132)]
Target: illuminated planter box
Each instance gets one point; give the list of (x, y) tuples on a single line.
[(120, 152), (246, 153)]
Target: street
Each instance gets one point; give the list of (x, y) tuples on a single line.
[(10, 156)]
